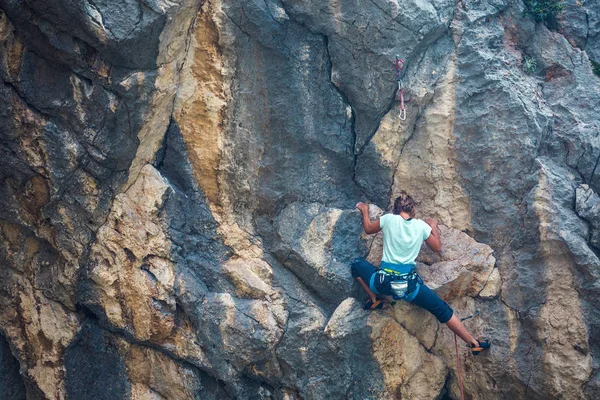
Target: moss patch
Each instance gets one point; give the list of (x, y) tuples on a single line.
[(543, 10)]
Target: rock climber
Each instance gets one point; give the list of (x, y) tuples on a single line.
[(403, 236)]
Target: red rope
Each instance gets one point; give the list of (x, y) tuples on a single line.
[(401, 100), (462, 393)]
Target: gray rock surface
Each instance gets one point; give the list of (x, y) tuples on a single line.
[(178, 183), (318, 244), (587, 207), (580, 23), (11, 382), (463, 266)]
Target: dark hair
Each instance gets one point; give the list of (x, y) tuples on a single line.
[(404, 203)]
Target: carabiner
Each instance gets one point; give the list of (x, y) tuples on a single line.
[(398, 62), (399, 67)]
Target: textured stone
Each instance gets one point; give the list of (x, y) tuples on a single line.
[(103, 365), (580, 23), (318, 244), (418, 322), (94, 366), (250, 277), (131, 256), (561, 318), (418, 153), (38, 328), (587, 207), (203, 95), (408, 369), (492, 286), (11, 382), (366, 37), (461, 269), (178, 183)]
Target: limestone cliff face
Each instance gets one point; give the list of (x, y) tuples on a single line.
[(178, 181)]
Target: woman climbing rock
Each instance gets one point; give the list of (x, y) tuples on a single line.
[(403, 236)]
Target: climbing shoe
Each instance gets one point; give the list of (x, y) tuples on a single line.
[(484, 343), (370, 305)]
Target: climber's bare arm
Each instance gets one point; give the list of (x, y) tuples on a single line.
[(434, 241), (370, 227)]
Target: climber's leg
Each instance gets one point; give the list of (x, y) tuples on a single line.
[(457, 327), (427, 299), (362, 270), (372, 295)]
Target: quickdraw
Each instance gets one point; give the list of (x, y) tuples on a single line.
[(399, 66)]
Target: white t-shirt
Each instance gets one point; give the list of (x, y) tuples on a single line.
[(402, 238)]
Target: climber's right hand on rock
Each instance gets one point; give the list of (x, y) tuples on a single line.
[(362, 206)]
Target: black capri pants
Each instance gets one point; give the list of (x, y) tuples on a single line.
[(425, 298)]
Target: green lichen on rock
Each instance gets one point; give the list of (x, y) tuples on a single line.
[(529, 65), (543, 10)]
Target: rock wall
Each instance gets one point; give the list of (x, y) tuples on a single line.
[(178, 182)]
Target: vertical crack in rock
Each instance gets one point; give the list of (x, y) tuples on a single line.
[(346, 101), (379, 118), (163, 99), (188, 42), (197, 278)]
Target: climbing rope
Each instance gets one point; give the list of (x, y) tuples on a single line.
[(460, 382), (399, 66), (462, 393)]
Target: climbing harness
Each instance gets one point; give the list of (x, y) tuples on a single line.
[(399, 66), (460, 382), (398, 285)]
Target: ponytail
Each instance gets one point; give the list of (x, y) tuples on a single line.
[(404, 203)]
